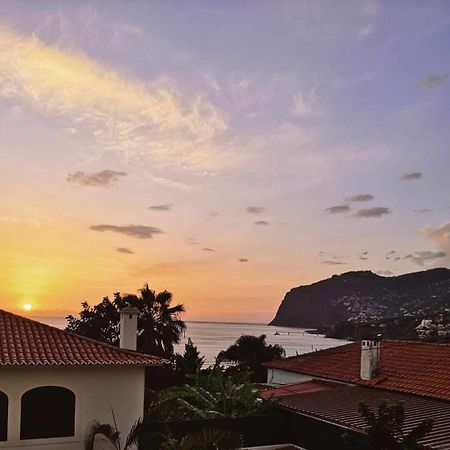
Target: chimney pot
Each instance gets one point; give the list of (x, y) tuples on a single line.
[(370, 358), (128, 327)]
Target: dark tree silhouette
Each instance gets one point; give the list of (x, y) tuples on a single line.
[(250, 352), (384, 430), (159, 323), (190, 362)]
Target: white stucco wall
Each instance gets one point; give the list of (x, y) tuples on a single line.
[(97, 390), (277, 376)]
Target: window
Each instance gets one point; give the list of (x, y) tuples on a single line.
[(47, 412), (3, 416)]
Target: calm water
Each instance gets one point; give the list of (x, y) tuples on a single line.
[(212, 337)]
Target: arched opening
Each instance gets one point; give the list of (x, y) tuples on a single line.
[(3, 417), (47, 412)]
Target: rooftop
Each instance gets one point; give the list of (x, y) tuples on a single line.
[(340, 406), (25, 342), (413, 367)]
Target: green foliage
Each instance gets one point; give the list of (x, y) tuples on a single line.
[(190, 362), (159, 323), (205, 440), (212, 395), (384, 430), (250, 352)]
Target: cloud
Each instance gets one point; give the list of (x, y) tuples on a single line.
[(363, 258), (440, 235), (124, 250), (207, 249), (385, 273), (302, 106), (166, 207), (129, 117), (338, 209), (135, 231), (425, 257), (105, 178), (378, 211), (361, 198), (255, 209), (261, 222), (243, 260), (422, 211), (433, 81), (333, 263), (212, 215), (411, 176)]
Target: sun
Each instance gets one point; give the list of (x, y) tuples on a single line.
[(27, 307)]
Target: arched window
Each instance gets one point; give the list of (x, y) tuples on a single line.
[(47, 412), (3, 416)]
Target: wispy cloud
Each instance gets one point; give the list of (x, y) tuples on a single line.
[(361, 198), (208, 249), (255, 209), (125, 250), (302, 106), (411, 176), (166, 207), (385, 273), (261, 222), (422, 211), (333, 263), (135, 231), (212, 215), (338, 209), (440, 235), (243, 260), (105, 178), (125, 116), (434, 81), (425, 257), (378, 211)]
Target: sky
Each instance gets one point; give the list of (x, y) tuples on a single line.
[(224, 151)]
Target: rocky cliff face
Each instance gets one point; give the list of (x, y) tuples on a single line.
[(364, 296)]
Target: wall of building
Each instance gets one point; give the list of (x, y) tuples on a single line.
[(278, 376), (98, 391)]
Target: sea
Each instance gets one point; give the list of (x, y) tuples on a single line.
[(212, 337)]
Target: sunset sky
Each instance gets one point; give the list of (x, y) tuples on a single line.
[(223, 150)]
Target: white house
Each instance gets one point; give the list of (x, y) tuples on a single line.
[(53, 383)]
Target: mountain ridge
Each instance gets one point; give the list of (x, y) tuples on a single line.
[(364, 297)]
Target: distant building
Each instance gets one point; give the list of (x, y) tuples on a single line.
[(53, 383), (320, 391)]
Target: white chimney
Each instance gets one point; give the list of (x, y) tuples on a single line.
[(128, 327), (370, 358)]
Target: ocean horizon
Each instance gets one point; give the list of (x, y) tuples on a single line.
[(212, 337)]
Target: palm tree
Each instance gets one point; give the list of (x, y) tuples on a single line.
[(159, 323), (384, 430), (250, 352)]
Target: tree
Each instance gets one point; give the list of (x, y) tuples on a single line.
[(384, 430), (211, 395), (159, 323), (190, 362), (250, 352), (205, 440)]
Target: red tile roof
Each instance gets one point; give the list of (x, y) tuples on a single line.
[(340, 406), (299, 388), (25, 342), (414, 367)]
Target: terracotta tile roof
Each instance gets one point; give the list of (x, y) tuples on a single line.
[(25, 342), (414, 367), (299, 388), (340, 406)]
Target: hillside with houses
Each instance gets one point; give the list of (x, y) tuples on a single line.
[(350, 305)]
